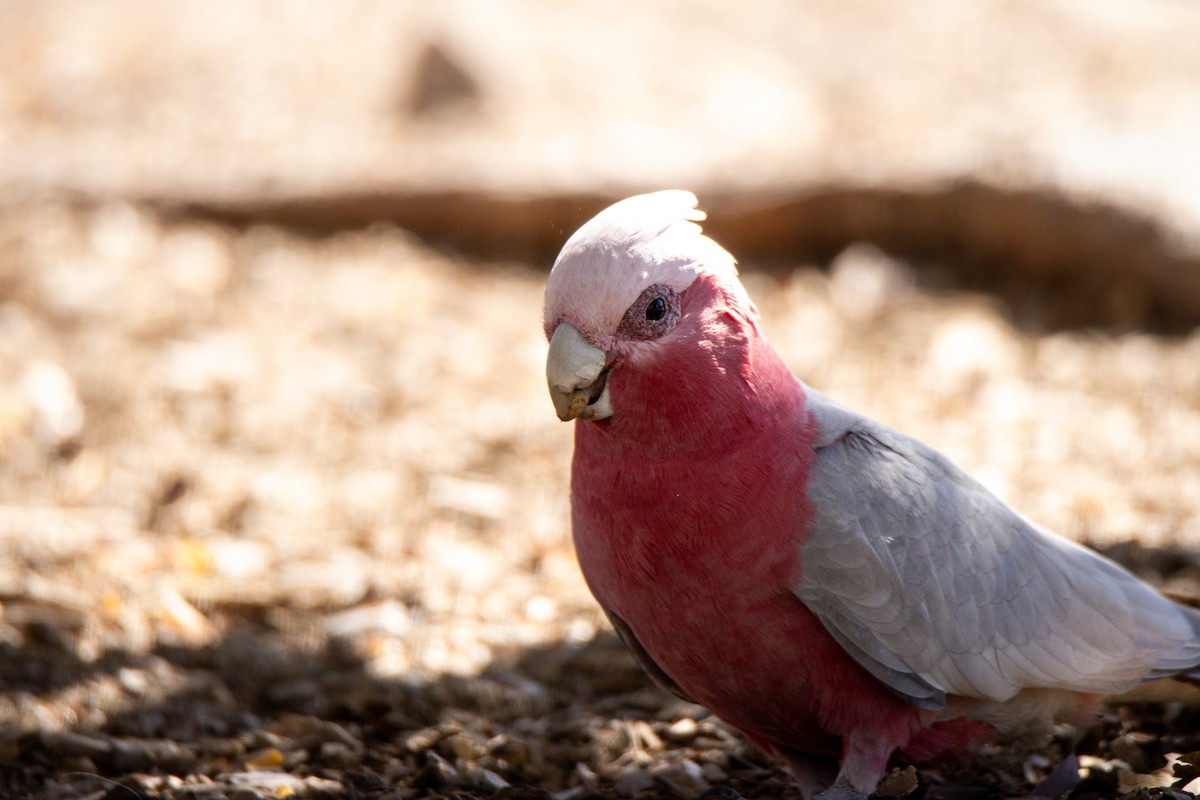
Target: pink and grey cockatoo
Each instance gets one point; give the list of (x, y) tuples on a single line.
[(839, 592)]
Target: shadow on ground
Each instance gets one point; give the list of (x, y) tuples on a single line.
[(1106, 266), (276, 708)]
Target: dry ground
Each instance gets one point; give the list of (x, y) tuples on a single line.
[(288, 516)]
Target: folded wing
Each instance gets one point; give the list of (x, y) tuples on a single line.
[(936, 587)]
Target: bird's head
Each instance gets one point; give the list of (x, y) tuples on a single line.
[(640, 302)]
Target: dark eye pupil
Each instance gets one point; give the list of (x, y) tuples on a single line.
[(656, 310)]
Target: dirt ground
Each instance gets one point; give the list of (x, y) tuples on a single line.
[(286, 515)]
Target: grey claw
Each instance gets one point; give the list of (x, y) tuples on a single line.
[(841, 790), (721, 793)]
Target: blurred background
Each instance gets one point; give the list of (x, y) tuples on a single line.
[(283, 501)]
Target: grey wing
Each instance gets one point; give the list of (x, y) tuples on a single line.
[(936, 587)]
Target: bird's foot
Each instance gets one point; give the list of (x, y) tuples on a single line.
[(841, 790)]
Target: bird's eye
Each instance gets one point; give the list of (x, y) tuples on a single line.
[(654, 314), (656, 309)]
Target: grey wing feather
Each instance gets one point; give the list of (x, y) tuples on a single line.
[(937, 587)]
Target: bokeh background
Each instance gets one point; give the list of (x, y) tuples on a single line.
[(283, 501)]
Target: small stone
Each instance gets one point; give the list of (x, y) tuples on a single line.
[(388, 617), (259, 739), (183, 618), (898, 783), (721, 793), (217, 790), (1035, 767), (279, 784), (513, 750), (641, 732), (81, 765), (167, 754), (424, 739), (685, 779), (270, 757), (1128, 781), (338, 754), (586, 775), (683, 731), (1099, 764), (309, 731), (633, 781), (399, 793), (143, 783), (437, 774), (465, 747), (864, 281), (78, 744), (51, 393), (488, 781), (713, 772), (570, 794), (1128, 750), (132, 680), (474, 498), (130, 756), (323, 787)]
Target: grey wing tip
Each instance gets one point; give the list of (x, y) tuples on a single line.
[(934, 701), (1183, 662), (908, 686)]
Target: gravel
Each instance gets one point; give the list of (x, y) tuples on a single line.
[(286, 517)]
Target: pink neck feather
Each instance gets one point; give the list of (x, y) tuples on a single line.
[(715, 383)]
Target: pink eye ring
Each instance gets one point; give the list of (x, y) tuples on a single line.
[(654, 313)]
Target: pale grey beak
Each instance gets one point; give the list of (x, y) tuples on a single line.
[(577, 372)]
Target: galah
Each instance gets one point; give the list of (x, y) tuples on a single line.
[(838, 591)]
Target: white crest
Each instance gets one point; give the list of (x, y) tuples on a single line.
[(640, 241)]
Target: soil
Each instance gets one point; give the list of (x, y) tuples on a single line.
[(287, 516), (283, 500)]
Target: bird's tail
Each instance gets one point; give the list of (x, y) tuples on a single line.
[(1192, 614), (1176, 689), (1176, 676)]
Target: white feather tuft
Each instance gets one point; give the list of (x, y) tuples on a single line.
[(642, 240)]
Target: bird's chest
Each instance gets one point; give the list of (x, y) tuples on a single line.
[(682, 533), (700, 564), (687, 553)]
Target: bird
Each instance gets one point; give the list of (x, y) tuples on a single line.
[(841, 593)]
